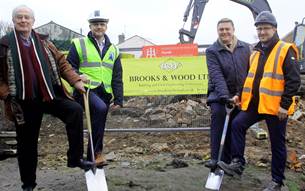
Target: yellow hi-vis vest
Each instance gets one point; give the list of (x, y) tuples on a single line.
[(96, 69), (272, 83)]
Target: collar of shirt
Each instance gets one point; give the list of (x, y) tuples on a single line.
[(26, 41), (100, 44), (266, 45)]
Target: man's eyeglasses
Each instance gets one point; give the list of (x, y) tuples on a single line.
[(260, 29)]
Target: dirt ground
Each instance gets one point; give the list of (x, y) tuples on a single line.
[(153, 161)]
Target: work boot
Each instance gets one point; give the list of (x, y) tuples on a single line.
[(28, 189), (100, 160), (212, 164), (83, 164), (273, 186), (234, 168)]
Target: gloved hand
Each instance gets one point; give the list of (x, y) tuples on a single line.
[(17, 111), (224, 100), (228, 102), (282, 113)]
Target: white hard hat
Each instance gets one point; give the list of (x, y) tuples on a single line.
[(97, 16)]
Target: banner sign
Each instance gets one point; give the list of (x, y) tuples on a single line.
[(170, 50), (165, 76)]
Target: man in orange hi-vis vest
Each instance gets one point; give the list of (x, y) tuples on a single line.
[(268, 94)]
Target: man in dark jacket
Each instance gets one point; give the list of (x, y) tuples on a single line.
[(268, 94), (30, 72), (98, 62), (228, 62)]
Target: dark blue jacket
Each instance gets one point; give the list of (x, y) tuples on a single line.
[(227, 70), (117, 84)]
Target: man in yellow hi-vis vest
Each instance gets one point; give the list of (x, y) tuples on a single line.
[(98, 62), (268, 94)]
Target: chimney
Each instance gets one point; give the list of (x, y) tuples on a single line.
[(121, 38)]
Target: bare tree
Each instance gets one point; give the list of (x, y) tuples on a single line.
[(5, 27)]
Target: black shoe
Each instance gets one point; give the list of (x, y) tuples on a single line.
[(83, 164), (212, 164), (273, 186), (234, 168), (28, 189), (101, 166)]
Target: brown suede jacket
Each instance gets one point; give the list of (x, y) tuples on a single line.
[(64, 68)]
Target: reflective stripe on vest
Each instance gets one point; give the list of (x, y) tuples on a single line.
[(272, 83), (96, 69)]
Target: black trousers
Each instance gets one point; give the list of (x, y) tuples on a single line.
[(217, 124), (277, 133), (70, 112)]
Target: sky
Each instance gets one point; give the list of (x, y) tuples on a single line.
[(156, 20)]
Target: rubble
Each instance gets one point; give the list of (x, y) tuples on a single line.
[(128, 149), (163, 111)]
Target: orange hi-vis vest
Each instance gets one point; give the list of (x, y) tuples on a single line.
[(272, 83)]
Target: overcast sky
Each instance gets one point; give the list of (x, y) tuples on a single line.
[(156, 20)]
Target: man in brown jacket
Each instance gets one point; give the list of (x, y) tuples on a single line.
[(30, 72)]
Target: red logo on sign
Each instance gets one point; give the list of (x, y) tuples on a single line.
[(176, 50)]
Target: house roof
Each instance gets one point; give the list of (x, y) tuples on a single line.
[(52, 22), (137, 40)]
